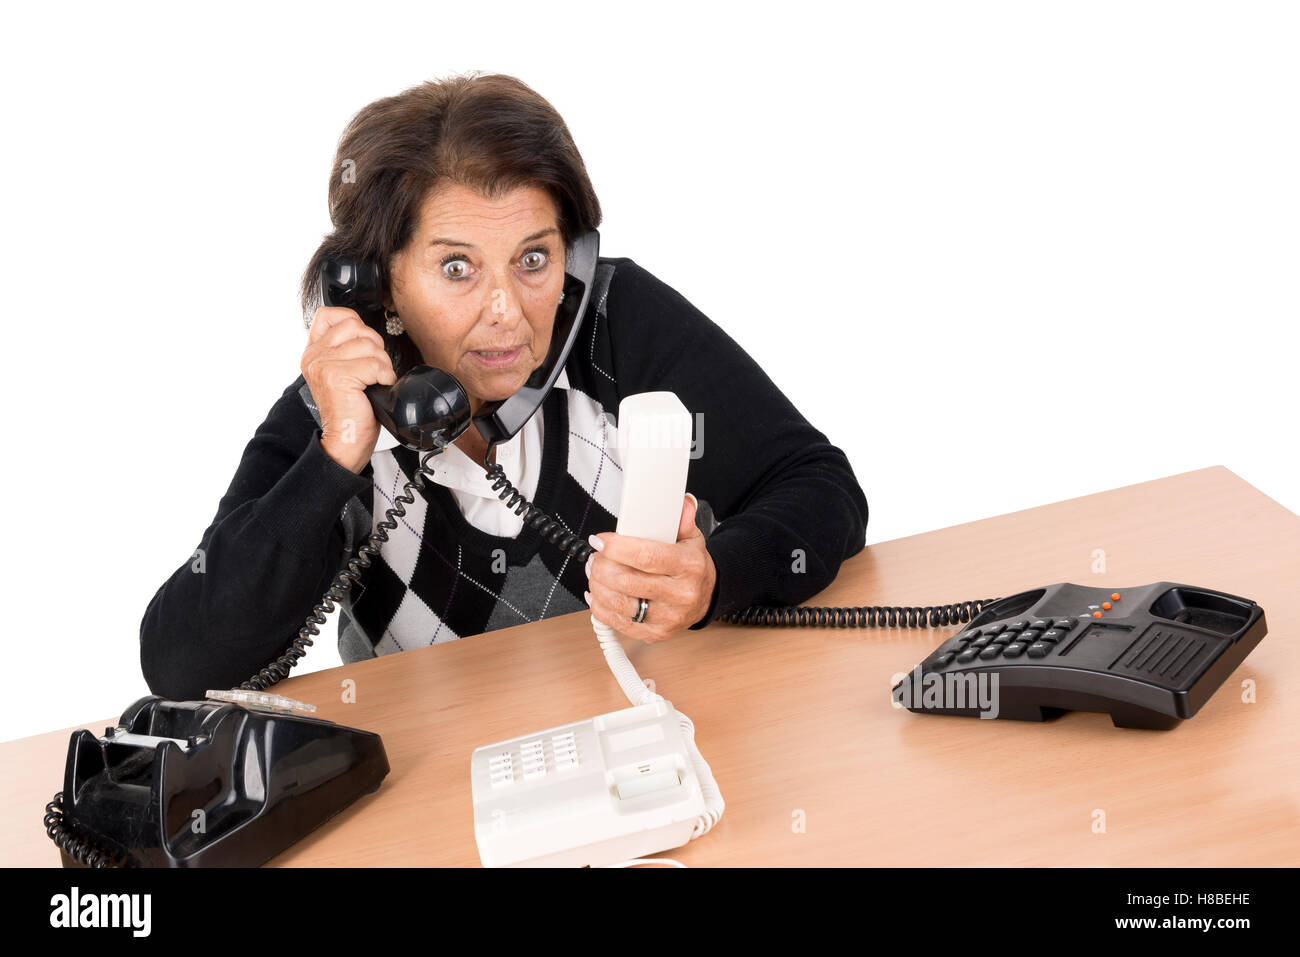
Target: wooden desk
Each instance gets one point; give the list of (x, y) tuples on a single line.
[(799, 723)]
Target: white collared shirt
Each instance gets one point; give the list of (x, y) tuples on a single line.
[(521, 458)]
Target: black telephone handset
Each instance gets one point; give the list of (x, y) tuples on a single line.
[(426, 405)]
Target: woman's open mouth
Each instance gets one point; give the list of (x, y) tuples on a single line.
[(497, 359)]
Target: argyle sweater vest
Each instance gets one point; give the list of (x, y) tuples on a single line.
[(439, 578)]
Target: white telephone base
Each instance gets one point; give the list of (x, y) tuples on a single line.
[(612, 788)]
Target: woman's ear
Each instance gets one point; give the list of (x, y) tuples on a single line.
[(393, 282)]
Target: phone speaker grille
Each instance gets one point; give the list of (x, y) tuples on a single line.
[(1161, 652)]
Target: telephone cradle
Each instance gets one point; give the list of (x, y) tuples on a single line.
[(1149, 656), (206, 784)]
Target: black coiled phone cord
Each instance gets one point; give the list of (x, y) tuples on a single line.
[(866, 616), (863, 616), (279, 669), (551, 530), (78, 848), (576, 547)]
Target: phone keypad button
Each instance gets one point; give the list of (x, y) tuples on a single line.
[(565, 748), (501, 769)]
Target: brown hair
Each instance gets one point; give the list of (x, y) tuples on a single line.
[(490, 133)]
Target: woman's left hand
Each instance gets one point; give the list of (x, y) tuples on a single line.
[(678, 580)]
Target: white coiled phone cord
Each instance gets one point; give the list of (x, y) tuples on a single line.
[(639, 694)]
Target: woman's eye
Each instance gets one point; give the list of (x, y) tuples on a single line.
[(454, 268), (534, 259)]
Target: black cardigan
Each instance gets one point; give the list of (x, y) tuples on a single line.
[(790, 507)]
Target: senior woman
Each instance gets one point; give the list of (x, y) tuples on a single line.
[(467, 191)]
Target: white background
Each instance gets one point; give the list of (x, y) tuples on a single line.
[(1002, 254)]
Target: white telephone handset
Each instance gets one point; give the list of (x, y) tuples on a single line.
[(624, 784)]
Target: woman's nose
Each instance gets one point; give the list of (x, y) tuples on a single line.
[(501, 302)]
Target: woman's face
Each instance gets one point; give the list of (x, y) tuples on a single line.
[(481, 276)]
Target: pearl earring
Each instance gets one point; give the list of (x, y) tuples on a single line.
[(561, 300), (393, 323)]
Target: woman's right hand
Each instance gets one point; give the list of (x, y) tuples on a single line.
[(342, 357)]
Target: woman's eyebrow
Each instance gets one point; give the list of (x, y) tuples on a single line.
[(441, 241)]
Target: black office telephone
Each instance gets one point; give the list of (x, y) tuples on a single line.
[(1148, 656)]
